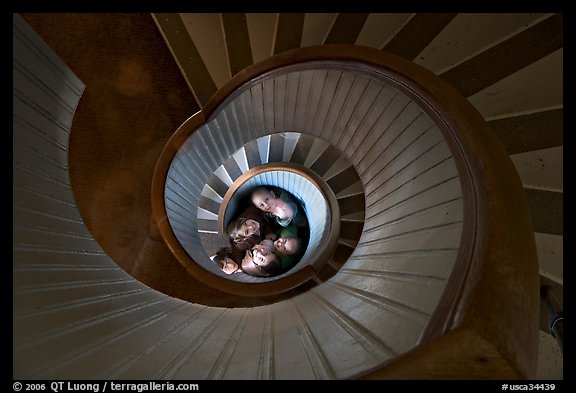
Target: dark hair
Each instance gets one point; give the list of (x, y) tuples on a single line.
[(220, 258), (233, 228), (237, 240), (301, 247)]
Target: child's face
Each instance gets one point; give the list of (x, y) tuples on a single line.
[(255, 260), (230, 266), (261, 255), (249, 227), (263, 200), (286, 245)]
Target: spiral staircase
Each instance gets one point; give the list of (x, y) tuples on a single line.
[(388, 291)]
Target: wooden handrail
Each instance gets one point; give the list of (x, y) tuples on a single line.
[(555, 314), (291, 284), (492, 295)]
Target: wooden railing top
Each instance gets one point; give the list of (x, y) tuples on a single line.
[(291, 284)]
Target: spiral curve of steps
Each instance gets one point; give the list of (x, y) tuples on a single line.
[(349, 309)]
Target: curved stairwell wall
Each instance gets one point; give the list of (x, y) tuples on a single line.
[(183, 223), (413, 206), (373, 307)]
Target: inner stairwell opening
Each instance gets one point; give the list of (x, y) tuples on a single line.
[(271, 161)]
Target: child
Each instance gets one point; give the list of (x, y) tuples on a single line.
[(246, 231), (224, 262), (289, 246), (280, 205), (260, 261)]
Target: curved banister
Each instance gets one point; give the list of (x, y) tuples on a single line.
[(302, 279), (492, 294)]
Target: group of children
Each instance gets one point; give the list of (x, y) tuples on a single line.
[(266, 239)]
